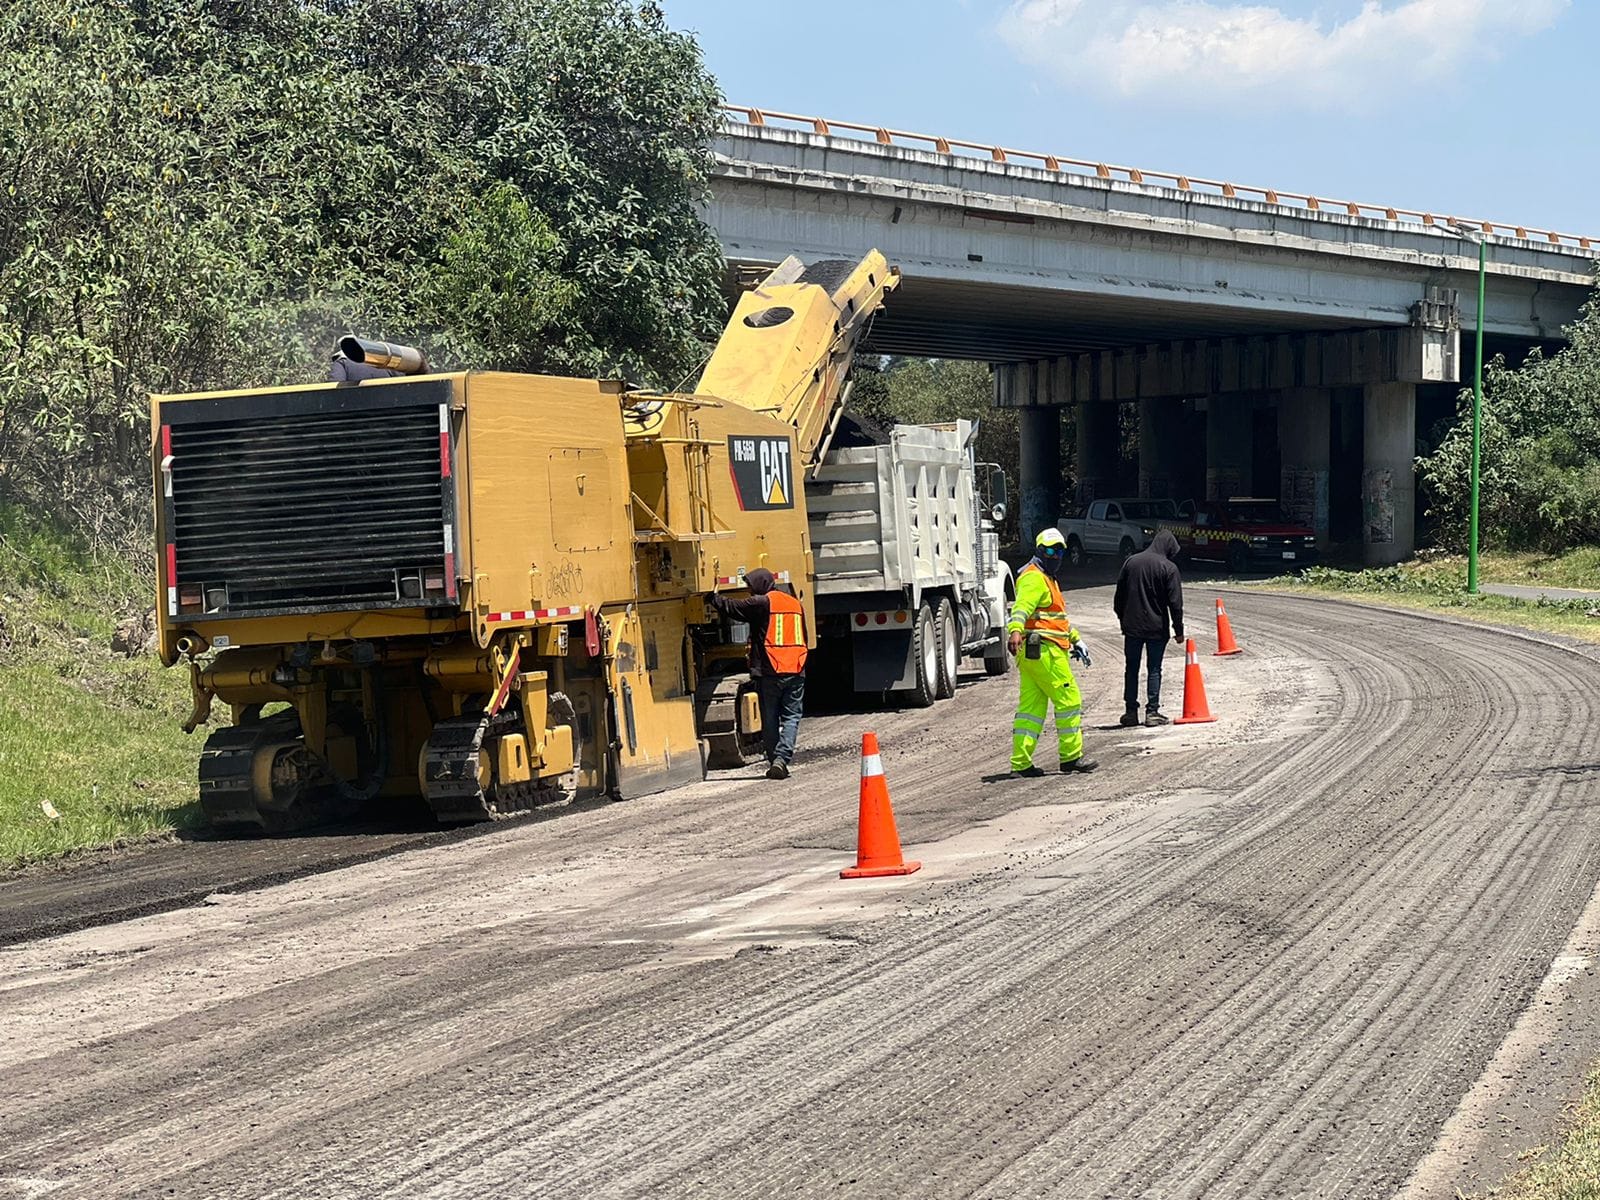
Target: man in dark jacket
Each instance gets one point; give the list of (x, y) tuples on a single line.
[(777, 662), (1149, 594)]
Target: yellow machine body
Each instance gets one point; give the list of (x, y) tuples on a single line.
[(491, 588)]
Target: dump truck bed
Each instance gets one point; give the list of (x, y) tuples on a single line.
[(896, 517)]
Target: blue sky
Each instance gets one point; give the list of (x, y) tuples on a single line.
[(1477, 108)]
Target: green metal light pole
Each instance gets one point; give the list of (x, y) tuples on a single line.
[(1477, 427)]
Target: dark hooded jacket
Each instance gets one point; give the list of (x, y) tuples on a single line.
[(755, 611), (1149, 591)]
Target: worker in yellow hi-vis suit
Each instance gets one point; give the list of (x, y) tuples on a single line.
[(1039, 629)]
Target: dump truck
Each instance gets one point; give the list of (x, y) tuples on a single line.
[(909, 579), (488, 589)]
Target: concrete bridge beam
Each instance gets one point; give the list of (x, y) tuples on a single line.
[(1305, 450), (1161, 448), (1388, 476), (1098, 451), (1230, 446)]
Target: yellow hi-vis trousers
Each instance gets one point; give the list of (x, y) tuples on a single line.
[(1046, 680)]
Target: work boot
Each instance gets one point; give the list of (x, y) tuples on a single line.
[(1028, 773), (1079, 766), (778, 770), (1130, 718), (1154, 718)]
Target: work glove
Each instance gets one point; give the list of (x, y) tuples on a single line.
[(1080, 651)]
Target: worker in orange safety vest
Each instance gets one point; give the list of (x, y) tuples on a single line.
[(777, 662)]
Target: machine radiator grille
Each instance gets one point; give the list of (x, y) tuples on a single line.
[(332, 503)]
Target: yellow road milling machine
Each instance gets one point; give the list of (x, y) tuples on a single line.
[(490, 589)]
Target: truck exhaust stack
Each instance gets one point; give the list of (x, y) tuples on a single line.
[(408, 360)]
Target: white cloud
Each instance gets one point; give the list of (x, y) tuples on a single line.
[(1200, 52)]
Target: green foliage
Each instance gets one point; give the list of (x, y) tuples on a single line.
[(198, 195), (1540, 464), (88, 732)]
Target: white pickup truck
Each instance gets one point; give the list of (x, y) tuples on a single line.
[(1116, 526)]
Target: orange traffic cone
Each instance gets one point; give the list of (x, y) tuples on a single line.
[(877, 842), (1195, 709), (1225, 643)]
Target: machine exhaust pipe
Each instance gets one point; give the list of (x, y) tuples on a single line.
[(408, 360)]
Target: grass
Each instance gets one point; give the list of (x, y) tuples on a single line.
[(84, 731), (1572, 1170), (1438, 582)]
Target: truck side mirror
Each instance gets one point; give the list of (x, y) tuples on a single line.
[(997, 488)]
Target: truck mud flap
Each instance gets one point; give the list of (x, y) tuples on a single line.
[(883, 661)]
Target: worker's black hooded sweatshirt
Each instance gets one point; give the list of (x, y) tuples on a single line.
[(1149, 591)]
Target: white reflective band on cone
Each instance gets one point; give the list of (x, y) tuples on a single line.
[(871, 764), (1193, 658)]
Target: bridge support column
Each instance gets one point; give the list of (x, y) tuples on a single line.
[(1388, 475), (1098, 450), (1161, 440), (1230, 446), (1040, 469), (1304, 441)]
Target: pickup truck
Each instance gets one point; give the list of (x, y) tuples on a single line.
[(1117, 526), (1246, 534)]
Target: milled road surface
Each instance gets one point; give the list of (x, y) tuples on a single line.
[(1265, 957)]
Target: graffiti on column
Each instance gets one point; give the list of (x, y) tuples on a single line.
[(1223, 482), (1377, 507), (1304, 497)]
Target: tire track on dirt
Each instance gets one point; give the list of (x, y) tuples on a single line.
[(1279, 985)]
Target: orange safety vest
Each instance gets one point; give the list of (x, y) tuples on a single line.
[(786, 634), (1052, 622)]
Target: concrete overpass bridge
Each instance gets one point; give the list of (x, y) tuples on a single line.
[(1274, 342)]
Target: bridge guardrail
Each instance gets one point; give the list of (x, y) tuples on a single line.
[(955, 147)]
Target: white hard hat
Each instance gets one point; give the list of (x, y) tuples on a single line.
[(1050, 537)]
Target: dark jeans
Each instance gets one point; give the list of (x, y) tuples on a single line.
[(1152, 650), (782, 698)]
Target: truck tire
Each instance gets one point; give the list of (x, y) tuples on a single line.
[(1075, 554), (1125, 549), (949, 634), (1238, 559), (997, 660), (924, 661)]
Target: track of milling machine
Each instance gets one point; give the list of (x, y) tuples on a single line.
[(490, 589)]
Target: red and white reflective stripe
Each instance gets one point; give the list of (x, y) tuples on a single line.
[(537, 614), (1220, 609), (871, 765), (166, 460), (444, 441), (172, 579), (1192, 657)]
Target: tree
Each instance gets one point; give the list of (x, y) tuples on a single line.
[(206, 193), (1540, 472)]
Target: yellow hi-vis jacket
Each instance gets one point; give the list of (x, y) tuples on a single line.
[(1039, 606)]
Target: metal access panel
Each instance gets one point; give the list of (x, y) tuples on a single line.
[(307, 500)]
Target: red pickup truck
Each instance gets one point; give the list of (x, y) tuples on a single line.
[(1247, 534)]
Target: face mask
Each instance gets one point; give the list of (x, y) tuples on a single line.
[(1051, 563)]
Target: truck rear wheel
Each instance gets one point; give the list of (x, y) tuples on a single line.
[(924, 660), (949, 650)]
